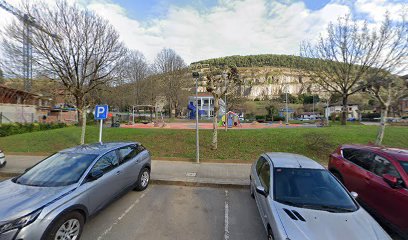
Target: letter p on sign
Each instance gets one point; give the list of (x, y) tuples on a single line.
[(101, 112)]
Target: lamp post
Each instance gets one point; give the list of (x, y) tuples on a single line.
[(313, 110), (286, 103), (196, 75)]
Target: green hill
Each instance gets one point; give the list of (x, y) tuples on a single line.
[(263, 60)]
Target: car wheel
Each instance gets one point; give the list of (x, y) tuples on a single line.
[(338, 176), (143, 180), (68, 227), (3, 164), (270, 234)]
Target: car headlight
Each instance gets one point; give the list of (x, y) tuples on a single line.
[(20, 222)]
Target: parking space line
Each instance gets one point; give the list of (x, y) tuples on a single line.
[(122, 215), (226, 216)]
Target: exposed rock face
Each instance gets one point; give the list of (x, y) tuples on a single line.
[(270, 82)]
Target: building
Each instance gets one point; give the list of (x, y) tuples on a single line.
[(205, 104), (353, 111), (21, 106), (403, 106), (286, 112)]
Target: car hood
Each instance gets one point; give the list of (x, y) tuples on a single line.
[(328, 225), (18, 200)]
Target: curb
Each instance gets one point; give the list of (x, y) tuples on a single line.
[(173, 182), (9, 174), (198, 184)]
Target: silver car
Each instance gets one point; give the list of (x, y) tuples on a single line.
[(54, 198), (298, 198)]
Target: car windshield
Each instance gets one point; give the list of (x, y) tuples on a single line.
[(60, 169), (404, 165), (311, 188)]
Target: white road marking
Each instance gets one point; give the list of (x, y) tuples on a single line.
[(226, 220), (122, 216)]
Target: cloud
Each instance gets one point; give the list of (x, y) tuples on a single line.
[(376, 9), (231, 27)]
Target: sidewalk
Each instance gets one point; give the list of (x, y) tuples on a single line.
[(163, 172)]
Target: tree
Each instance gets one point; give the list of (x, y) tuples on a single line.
[(350, 50), (83, 58), (387, 89), (135, 69), (220, 83), (171, 67)]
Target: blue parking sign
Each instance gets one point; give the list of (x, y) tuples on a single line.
[(101, 112)]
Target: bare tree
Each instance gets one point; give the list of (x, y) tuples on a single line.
[(349, 50), (220, 83), (137, 69), (388, 90), (85, 56), (171, 67)]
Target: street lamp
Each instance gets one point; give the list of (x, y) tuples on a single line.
[(196, 75), (286, 103)]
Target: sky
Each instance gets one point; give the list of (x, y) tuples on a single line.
[(203, 29)]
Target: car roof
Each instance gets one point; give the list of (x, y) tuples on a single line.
[(400, 154), (97, 148), (291, 160)]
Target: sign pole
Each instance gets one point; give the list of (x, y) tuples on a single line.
[(100, 131)]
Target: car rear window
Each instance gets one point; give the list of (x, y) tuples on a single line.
[(405, 166)]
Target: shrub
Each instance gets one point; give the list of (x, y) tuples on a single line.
[(278, 118), (18, 128)]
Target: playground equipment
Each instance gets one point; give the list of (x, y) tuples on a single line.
[(144, 118), (232, 120), (193, 109)]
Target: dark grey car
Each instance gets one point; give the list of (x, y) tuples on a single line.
[(54, 198)]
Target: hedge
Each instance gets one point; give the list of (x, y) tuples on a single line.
[(18, 128)]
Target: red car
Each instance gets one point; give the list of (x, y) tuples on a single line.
[(379, 176)]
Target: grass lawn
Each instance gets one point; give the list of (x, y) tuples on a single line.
[(234, 145)]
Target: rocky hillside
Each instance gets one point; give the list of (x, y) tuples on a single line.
[(268, 76)]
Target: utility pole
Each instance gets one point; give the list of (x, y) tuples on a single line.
[(196, 75), (224, 74)]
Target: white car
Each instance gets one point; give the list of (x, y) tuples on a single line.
[(2, 159), (298, 199)]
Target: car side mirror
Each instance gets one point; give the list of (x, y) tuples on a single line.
[(96, 174), (354, 195), (391, 180), (261, 190)]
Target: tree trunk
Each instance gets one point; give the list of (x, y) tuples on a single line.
[(170, 108), (214, 144), (83, 125), (80, 104), (344, 113), (381, 128)]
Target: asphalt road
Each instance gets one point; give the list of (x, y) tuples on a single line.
[(178, 213)]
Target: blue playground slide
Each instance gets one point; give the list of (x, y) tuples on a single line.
[(192, 109)]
